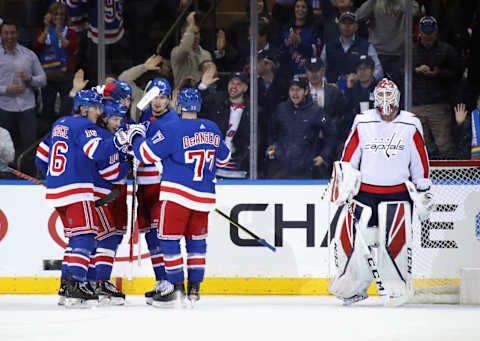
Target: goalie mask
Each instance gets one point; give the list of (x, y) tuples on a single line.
[(387, 98)]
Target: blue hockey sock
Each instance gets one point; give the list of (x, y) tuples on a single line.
[(196, 259), (105, 256), (156, 255), (66, 256), (173, 260), (82, 246)]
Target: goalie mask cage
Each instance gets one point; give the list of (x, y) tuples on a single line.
[(449, 240)]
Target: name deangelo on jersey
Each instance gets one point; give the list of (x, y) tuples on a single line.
[(201, 138)]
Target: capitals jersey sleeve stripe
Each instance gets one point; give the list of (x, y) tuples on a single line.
[(351, 146), (422, 153), (91, 146)]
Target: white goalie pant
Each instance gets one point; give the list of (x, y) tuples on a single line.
[(353, 243)]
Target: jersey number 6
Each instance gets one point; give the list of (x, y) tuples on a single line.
[(199, 158), (58, 160)]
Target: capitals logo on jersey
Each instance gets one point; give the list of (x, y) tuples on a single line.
[(390, 145)]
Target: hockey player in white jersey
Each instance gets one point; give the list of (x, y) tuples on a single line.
[(383, 152)]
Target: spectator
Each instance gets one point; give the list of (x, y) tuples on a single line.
[(230, 111), (387, 32), (272, 89), (467, 132), (295, 137), (328, 97), (359, 91), (187, 56), (7, 151), (155, 64), (20, 73), (340, 56), (330, 15), (56, 44), (300, 38), (437, 68)]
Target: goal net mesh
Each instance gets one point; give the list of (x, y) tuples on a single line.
[(436, 261)]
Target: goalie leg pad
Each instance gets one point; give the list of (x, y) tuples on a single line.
[(395, 247), (351, 274)]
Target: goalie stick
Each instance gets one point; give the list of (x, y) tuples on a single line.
[(100, 202), (238, 226)]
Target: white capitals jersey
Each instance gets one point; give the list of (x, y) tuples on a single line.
[(387, 153)]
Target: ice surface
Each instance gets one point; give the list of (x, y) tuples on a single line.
[(246, 318)]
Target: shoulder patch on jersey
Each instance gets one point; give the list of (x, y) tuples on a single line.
[(158, 137)]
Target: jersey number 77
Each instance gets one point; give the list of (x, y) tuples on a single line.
[(200, 158)]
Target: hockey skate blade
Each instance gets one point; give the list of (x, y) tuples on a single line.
[(149, 300), (110, 301), (61, 300), (78, 303)]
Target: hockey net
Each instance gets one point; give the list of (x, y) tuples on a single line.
[(447, 241)]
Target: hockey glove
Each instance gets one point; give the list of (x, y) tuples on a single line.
[(134, 130)]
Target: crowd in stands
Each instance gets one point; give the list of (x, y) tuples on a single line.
[(318, 63)]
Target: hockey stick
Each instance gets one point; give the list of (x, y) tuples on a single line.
[(237, 225), (100, 202), (132, 220), (377, 279)]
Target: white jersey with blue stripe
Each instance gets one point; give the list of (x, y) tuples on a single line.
[(189, 150)]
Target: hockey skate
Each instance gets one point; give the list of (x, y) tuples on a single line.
[(172, 297), (159, 286), (78, 295), (354, 299), (193, 292), (108, 294), (61, 292)]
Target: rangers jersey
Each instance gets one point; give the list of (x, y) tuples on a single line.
[(148, 174), (189, 149), (113, 21), (68, 158), (387, 153)]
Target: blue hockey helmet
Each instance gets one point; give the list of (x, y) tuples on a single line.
[(112, 108), (162, 84), (86, 98), (118, 90), (189, 99)]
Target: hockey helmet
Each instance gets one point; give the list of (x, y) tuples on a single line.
[(190, 100), (86, 98), (112, 108), (387, 97), (162, 84), (118, 90)]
